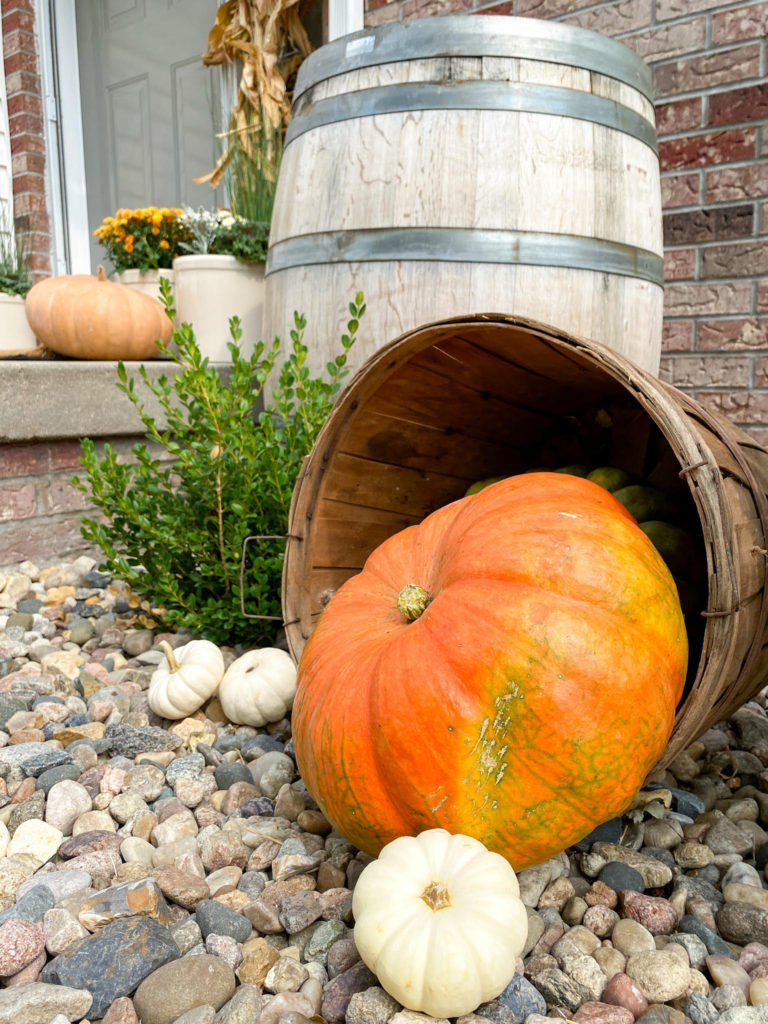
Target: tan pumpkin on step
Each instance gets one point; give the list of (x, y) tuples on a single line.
[(89, 317)]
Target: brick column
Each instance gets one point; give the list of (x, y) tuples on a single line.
[(27, 138)]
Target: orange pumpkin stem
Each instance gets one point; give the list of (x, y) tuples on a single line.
[(101, 273), (173, 664), (436, 896), (411, 601)]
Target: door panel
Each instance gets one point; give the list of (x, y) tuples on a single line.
[(147, 104)]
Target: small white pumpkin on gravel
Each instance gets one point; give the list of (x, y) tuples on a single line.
[(185, 679), (440, 922), (258, 687)]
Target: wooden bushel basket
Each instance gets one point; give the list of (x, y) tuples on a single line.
[(468, 398)]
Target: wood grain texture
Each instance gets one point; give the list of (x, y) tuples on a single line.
[(391, 452), (496, 170)]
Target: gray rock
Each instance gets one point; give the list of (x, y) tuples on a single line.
[(9, 705), (38, 1003), (559, 990), (60, 883), (112, 695), (47, 779), (744, 1015), (228, 774), (620, 876), (373, 1006), (130, 740), (700, 1009), (322, 938), (742, 923), (137, 641), (187, 767), (752, 727), (497, 1012), (113, 962), (713, 942), (725, 836), (298, 910), (31, 759), (694, 947), (216, 918), (243, 1008), (523, 998), (338, 992), (199, 1015), (700, 887), (31, 905)]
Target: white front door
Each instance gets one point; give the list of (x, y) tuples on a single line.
[(150, 107)]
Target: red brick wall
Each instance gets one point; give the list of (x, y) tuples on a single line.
[(25, 116), (39, 508), (709, 62)]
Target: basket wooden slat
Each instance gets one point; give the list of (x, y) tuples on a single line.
[(492, 395)]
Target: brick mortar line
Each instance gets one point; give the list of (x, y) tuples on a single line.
[(722, 243), (692, 133), (705, 93)]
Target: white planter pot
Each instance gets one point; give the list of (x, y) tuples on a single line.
[(211, 289), (16, 335), (146, 281)]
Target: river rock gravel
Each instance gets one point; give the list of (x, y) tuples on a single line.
[(180, 872)]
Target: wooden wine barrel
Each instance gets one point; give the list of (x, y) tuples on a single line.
[(446, 166), (469, 398)]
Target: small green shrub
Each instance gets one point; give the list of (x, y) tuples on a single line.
[(174, 529)]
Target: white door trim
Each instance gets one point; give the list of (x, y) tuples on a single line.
[(69, 198), (344, 17)]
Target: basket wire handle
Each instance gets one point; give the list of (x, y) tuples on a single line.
[(261, 536)]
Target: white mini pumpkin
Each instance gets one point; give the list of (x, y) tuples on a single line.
[(258, 687), (185, 678), (439, 920)]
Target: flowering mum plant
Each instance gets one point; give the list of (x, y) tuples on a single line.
[(225, 233), (146, 239)]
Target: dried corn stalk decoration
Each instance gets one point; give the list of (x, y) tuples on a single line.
[(269, 40)]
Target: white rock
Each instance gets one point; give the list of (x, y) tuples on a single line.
[(36, 838)]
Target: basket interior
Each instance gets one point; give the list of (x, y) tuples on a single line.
[(480, 400)]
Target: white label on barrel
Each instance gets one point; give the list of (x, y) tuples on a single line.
[(362, 45)]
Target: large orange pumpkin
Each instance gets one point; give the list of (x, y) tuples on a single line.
[(90, 317), (518, 693)]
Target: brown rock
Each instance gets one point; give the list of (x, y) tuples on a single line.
[(87, 731), (128, 899), (88, 842), (264, 917), (602, 1013), (600, 894), (330, 877), (258, 957), (181, 985), (121, 1011), (238, 794), (181, 887)]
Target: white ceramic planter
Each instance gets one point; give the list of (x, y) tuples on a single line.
[(209, 290), (146, 281), (16, 335)]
